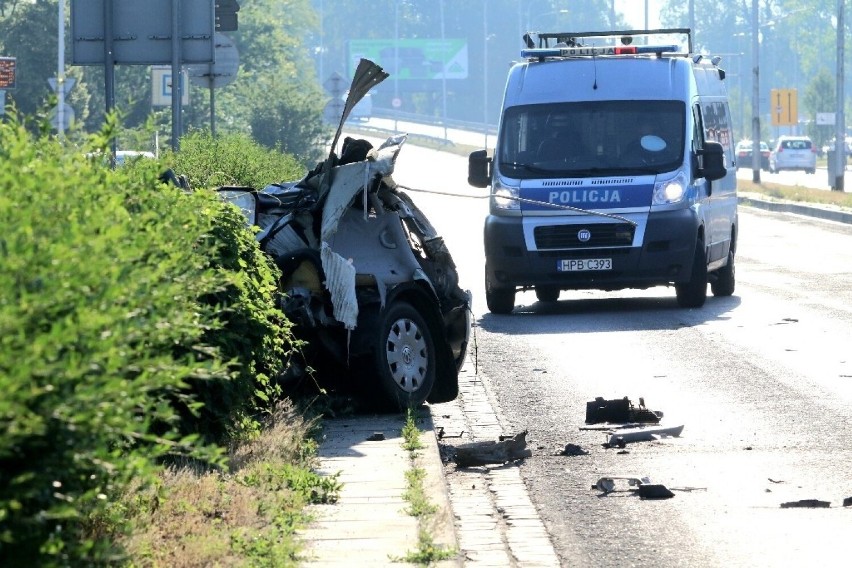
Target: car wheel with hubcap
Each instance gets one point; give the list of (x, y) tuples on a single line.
[(406, 357), (693, 294)]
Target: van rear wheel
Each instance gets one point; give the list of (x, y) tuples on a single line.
[(725, 281), (547, 293), (693, 294)]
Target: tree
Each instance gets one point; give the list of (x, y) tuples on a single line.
[(820, 96), (24, 38)]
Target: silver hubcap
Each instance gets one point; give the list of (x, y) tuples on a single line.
[(407, 355)]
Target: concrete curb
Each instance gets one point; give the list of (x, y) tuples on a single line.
[(825, 213)]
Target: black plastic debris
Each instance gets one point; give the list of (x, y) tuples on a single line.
[(654, 491), (847, 502), (807, 503), (376, 437), (573, 450), (620, 410)]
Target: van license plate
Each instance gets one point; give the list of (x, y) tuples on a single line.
[(580, 264)]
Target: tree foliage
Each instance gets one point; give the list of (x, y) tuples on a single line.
[(276, 81), (138, 323)]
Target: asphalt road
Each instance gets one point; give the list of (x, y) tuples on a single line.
[(761, 381)]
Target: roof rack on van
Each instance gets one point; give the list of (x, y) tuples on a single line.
[(571, 44)]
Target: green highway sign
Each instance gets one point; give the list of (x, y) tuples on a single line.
[(413, 58)]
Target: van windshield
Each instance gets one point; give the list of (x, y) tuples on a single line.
[(592, 138)]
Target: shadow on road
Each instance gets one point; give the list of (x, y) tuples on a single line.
[(599, 315)]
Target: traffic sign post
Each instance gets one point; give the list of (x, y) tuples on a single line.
[(335, 86), (785, 107), (161, 86), (226, 15), (223, 71), (8, 67)]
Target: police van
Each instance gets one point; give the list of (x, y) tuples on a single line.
[(613, 168)]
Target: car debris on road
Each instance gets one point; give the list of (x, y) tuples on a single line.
[(620, 410), (641, 485), (499, 452)]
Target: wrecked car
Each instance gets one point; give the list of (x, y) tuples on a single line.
[(366, 280)]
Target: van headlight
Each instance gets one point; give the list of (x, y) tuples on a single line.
[(505, 197), (671, 190)]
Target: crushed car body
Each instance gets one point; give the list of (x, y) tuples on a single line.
[(365, 278)]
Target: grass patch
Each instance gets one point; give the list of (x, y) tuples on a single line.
[(796, 193), (427, 552), (245, 516)]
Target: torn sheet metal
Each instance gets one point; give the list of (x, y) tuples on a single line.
[(622, 436), (377, 247), (340, 282)]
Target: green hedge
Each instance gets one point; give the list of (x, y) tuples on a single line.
[(137, 322), (232, 159)]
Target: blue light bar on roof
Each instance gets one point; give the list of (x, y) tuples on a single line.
[(592, 51)]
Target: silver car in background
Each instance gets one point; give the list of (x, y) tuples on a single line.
[(793, 153)]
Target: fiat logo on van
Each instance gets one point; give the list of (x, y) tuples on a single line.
[(584, 235)]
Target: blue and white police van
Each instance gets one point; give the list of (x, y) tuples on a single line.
[(613, 168)]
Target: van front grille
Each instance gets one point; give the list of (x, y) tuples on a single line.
[(599, 235)]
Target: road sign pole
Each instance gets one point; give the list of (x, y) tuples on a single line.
[(212, 110), (60, 71), (109, 71), (176, 78)]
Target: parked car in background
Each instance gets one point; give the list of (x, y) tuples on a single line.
[(793, 153), (743, 153)]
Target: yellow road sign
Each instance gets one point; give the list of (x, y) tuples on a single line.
[(784, 107)]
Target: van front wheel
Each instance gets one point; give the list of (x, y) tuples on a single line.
[(693, 294), (499, 300)]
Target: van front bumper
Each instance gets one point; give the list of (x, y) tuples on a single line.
[(664, 256)]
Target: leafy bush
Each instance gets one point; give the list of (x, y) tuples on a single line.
[(231, 159), (131, 313)]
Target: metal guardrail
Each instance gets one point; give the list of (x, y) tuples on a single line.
[(470, 126)]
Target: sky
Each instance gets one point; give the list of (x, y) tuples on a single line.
[(634, 12)]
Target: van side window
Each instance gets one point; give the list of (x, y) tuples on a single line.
[(717, 125)]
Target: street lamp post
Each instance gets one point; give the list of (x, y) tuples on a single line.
[(755, 96), (839, 122)]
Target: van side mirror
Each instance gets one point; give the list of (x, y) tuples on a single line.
[(712, 161), (479, 169)]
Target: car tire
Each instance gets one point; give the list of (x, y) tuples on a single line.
[(693, 294), (499, 300), (547, 293), (812, 171), (405, 357), (725, 281)]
